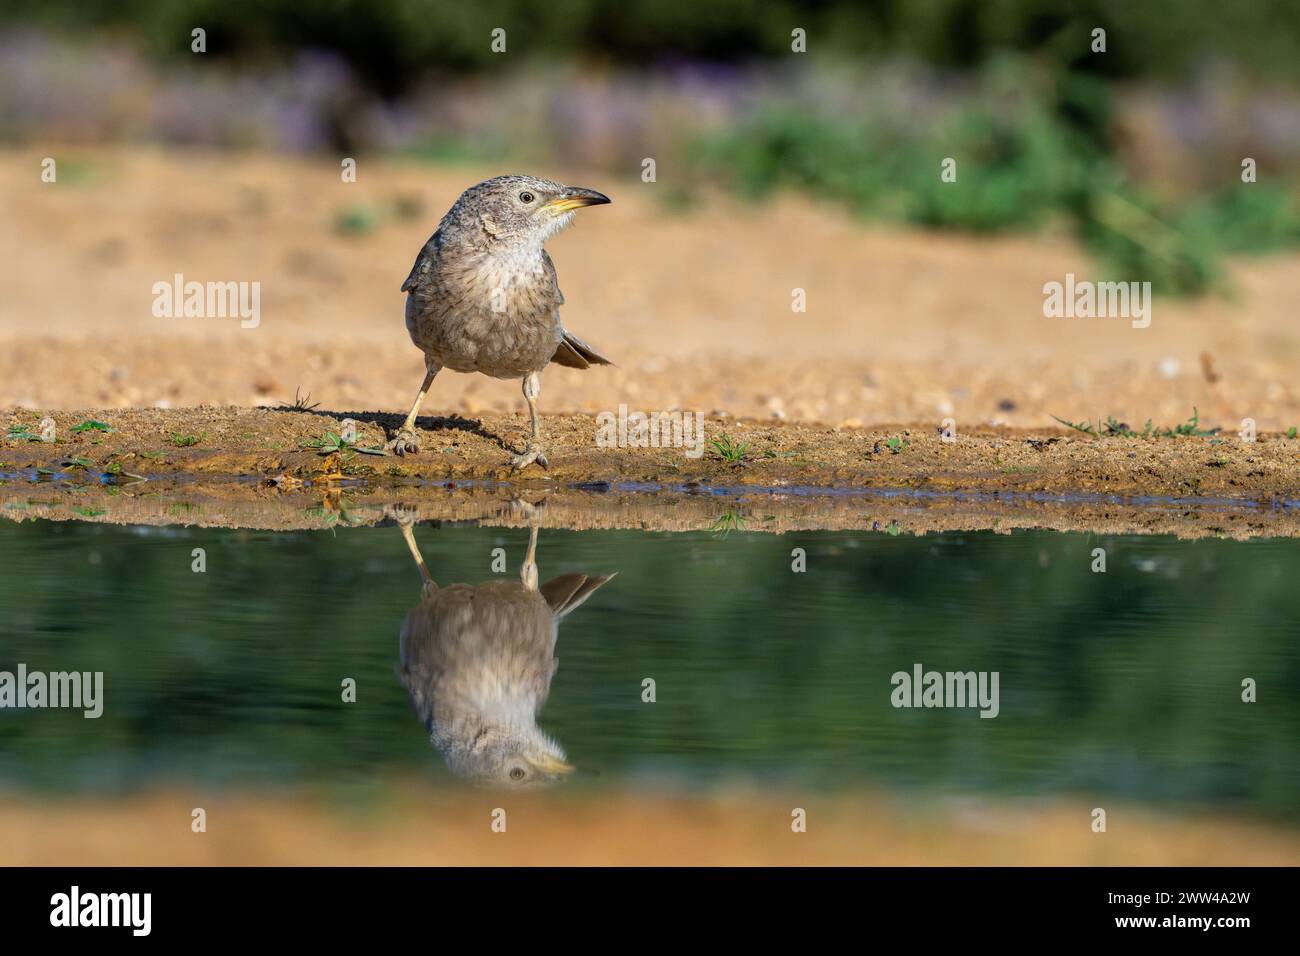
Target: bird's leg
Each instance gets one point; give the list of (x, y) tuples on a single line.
[(528, 570), (533, 451), (408, 532), (406, 442)]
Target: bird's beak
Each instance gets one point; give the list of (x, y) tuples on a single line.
[(575, 197), (548, 764)]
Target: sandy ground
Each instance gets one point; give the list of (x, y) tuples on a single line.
[(694, 305), (427, 827)]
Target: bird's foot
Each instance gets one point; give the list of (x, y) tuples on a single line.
[(532, 453), (405, 442), (404, 516), (530, 510)]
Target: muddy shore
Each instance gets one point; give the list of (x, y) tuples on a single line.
[(252, 467)]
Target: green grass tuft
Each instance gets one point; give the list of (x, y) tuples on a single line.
[(729, 450)]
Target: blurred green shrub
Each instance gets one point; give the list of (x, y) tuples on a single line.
[(1033, 146), (392, 43), (1028, 152)]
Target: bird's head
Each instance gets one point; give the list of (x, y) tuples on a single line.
[(522, 208), (510, 760)]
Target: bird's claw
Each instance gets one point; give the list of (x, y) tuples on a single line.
[(533, 453), (402, 515), (405, 442)]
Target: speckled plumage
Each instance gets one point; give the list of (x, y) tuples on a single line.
[(483, 294), (477, 662)]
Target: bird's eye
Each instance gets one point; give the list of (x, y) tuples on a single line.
[(526, 197), (517, 773)]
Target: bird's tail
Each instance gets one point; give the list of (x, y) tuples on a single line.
[(566, 593), (576, 353)]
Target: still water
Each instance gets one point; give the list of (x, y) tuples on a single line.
[(1124, 684)]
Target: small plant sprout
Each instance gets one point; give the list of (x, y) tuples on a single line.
[(729, 450), (91, 425), (334, 444), (729, 521), (1114, 428), (1084, 426), (22, 433), (182, 440), (301, 403), (1191, 427)]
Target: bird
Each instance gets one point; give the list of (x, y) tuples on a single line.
[(483, 295), (477, 662)]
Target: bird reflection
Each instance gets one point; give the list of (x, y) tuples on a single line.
[(477, 661)]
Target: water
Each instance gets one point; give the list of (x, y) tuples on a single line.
[(1123, 684)]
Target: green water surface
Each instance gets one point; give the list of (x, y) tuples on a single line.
[(1125, 684)]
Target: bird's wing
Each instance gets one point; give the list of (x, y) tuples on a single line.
[(572, 351), (549, 267), (428, 252), (567, 592)]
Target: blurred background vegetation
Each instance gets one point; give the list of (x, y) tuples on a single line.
[(1137, 151)]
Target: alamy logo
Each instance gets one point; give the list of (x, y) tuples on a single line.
[(656, 430), (79, 690), (1098, 300), (208, 300), (923, 688), (103, 909)]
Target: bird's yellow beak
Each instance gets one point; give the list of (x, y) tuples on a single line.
[(575, 198), (550, 765)]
